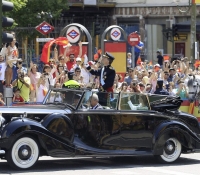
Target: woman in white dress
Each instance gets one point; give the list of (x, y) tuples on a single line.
[(41, 89), (34, 77)]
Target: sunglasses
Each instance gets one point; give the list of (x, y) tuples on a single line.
[(167, 74), (78, 71), (62, 59), (78, 61), (51, 62), (71, 57)]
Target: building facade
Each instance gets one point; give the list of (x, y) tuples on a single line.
[(149, 17)]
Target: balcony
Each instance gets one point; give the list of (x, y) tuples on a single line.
[(99, 3)]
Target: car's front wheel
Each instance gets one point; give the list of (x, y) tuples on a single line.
[(171, 151), (23, 154)]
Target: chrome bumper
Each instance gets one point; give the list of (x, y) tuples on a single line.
[(2, 152)]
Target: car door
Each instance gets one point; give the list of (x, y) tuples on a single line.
[(137, 124), (97, 127)]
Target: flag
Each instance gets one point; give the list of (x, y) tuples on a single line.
[(32, 87), (191, 108), (15, 54), (45, 92), (139, 60), (197, 63), (61, 41), (46, 48)]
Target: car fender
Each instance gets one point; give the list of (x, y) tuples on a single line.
[(173, 129), (18, 127)]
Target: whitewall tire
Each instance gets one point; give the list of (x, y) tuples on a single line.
[(24, 153), (171, 151)]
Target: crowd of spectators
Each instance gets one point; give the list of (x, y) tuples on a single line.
[(167, 77)]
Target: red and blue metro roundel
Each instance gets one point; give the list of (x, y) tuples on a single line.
[(44, 28), (115, 34), (73, 34)]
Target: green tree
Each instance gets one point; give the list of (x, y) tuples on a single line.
[(26, 12)]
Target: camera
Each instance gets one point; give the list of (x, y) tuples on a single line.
[(19, 62), (66, 71), (134, 84), (45, 74), (20, 76)]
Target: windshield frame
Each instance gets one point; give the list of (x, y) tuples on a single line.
[(56, 90)]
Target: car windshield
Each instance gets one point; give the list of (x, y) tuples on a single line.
[(134, 101), (64, 96), (99, 100)]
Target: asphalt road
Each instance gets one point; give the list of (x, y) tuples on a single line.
[(188, 164)]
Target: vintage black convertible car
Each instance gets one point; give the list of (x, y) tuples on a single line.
[(65, 125)]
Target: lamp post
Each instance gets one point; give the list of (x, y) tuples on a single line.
[(192, 6)]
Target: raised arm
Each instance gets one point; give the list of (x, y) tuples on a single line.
[(67, 49), (80, 49)]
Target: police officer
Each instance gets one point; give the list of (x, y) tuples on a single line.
[(107, 77), (71, 83)]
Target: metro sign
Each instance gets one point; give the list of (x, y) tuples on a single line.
[(73, 34), (115, 34), (44, 28)]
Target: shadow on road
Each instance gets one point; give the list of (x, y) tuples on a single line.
[(96, 163)]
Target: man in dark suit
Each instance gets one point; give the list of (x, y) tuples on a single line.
[(107, 76), (94, 102)]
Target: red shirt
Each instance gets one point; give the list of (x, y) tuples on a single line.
[(19, 99), (70, 65)]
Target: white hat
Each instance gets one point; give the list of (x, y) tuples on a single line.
[(78, 59), (158, 65)]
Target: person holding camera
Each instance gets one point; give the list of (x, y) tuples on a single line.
[(23, 84), (61, 74), (48, 76), (17, 68)]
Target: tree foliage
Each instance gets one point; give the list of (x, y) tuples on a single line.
[(26, 12)]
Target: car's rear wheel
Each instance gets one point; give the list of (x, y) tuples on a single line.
[(171, 151), (23, 154)]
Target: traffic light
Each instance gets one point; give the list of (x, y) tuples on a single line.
[(97, 29), (6, 22), (175, 30)]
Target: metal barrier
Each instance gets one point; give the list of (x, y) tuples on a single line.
[(8, 96)]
